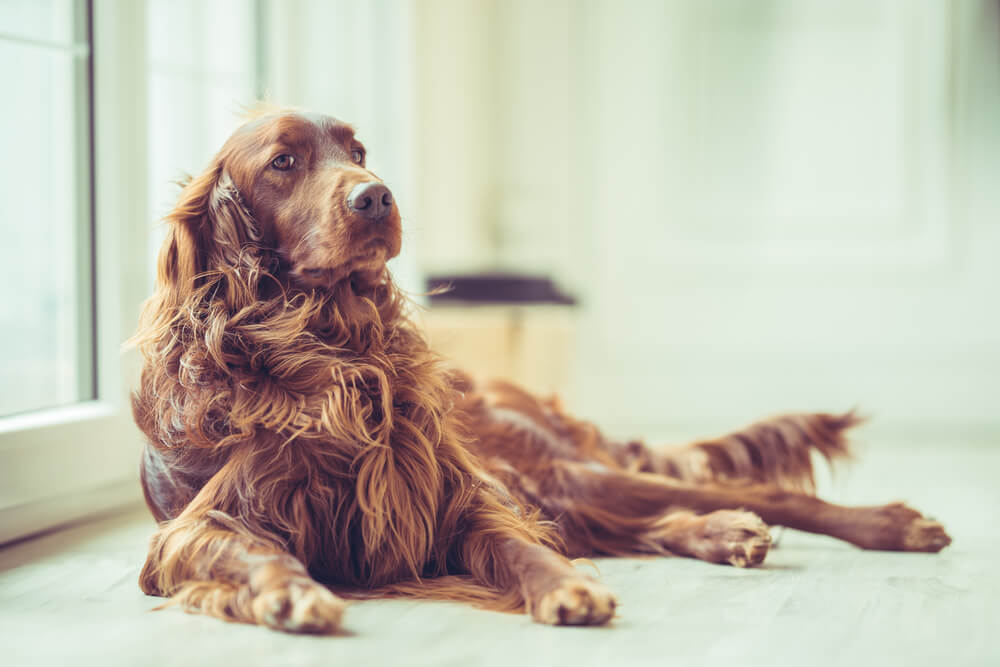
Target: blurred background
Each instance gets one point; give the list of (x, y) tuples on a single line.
[(716, 209)]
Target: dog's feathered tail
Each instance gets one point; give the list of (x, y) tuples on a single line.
[(775, 451)]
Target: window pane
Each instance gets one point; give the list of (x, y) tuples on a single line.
[(41, 20), (200, 79), (46, 290)]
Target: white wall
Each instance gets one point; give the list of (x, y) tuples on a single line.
[(494, 116), (765, 206), (811, 215)]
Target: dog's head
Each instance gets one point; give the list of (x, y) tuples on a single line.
[(293, 185)]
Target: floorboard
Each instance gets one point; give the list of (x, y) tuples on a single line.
[(70, 598)]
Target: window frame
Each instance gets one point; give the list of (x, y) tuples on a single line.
[(58, 465)]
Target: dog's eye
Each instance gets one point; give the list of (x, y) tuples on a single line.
[(358, 156), (283, 162)]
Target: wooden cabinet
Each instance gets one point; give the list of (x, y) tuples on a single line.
[(531, 345)]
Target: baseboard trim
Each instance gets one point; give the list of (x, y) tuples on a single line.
[(42, 516)]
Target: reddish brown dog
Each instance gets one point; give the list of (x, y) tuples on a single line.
[(303, 439)]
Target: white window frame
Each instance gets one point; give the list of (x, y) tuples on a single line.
[(61, 464)]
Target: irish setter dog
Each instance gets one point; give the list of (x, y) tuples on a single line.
[(306, 446)]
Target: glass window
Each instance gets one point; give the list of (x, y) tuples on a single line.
[(46, 294)]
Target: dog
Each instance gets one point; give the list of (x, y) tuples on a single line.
[(306, 447)]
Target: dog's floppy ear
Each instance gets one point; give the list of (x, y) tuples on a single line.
[(233, 230), (210, 228), (182, 258)]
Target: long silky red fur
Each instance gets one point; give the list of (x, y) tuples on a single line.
[(233, 363), (233, 360), (315, 431)]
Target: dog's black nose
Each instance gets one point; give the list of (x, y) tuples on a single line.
[(372, 200)]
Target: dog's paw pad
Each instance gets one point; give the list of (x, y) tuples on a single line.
[(575, 602)]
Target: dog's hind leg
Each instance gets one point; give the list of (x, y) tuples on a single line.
[(609, 511)]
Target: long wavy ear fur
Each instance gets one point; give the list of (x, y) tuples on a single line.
[(182, 258), (211, 234), (232, 227), (210, 228)]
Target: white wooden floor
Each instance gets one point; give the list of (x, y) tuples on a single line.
[(71, 598)]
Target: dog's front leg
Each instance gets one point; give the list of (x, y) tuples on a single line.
[(209, 564), (554, 591), (506, 556)]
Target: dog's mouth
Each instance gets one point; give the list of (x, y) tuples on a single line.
[(363, 268)]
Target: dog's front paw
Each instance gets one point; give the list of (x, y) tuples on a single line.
[(299, 606), (575, 601)]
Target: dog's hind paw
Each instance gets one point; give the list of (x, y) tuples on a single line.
[(733, 537), (736, 537), (925, 535), (896, 527)]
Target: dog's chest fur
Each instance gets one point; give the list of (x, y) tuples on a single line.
[(337, 441), (376, 471), (375, 505)]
